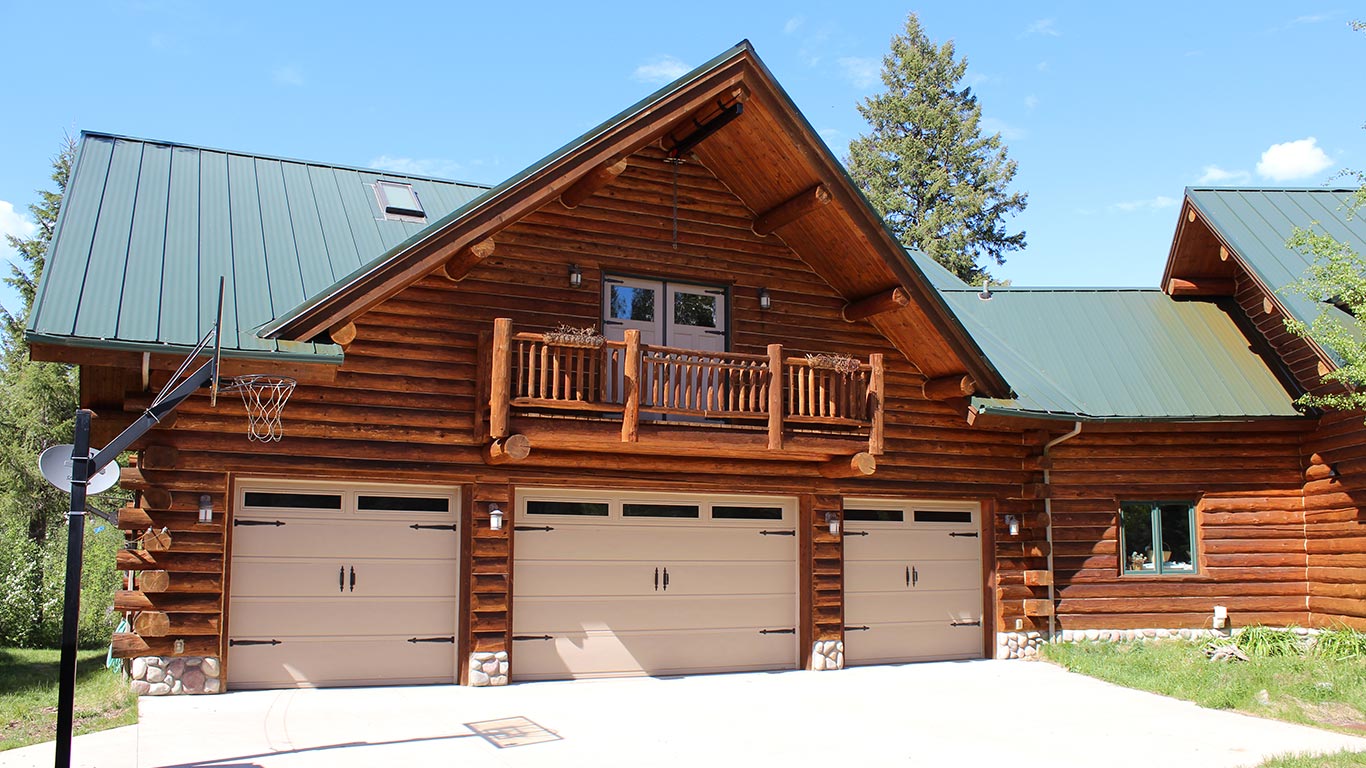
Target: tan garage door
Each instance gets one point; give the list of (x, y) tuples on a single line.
[(610, 584), (350, 585), (913, 581)]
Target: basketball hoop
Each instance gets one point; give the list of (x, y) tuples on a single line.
[(264, 397)]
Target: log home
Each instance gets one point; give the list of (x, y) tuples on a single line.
[(673, 400)]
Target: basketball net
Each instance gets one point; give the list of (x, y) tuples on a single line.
[(264, 397)]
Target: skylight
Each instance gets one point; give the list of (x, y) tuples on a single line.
[(399, 200)]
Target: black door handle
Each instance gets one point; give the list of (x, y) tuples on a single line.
[(353, 578), (666, 579), (908, 575), (656, 579), (915, 575), (341, 579)]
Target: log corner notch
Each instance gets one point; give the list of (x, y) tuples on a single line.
[(1201, 286), (507, 450), (862, 464), (876, 304), (810, 199), (467, 258), (591, 182), (948, 387), (342, 334)]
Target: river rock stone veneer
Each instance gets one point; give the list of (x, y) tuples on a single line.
[(175, 675), (827, 654), (1026, 645), (489, 668)]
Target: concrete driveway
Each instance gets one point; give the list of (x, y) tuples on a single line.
[(940, 714)]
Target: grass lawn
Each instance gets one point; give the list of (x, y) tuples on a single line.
[(28, 696), (1311, 690)]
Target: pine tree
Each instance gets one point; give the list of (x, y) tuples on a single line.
[(940, 185)]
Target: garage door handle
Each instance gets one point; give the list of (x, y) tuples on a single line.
[(656, 579), (254, 642), (353, 578), (420, 527), (976, 623), (275, 523), (777, 533), (863, 628), (431, 639), (915, 575), (972, 535), (778, 631), (341, 579), (533, 637), (532, 528), (666, 579), (855, 533)]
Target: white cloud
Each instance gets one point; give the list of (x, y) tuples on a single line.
[(1151, 204), (1311, 19), (288, 75), (793, 24), (863, 73), (833, 137), (1293, 160), (1045, 27), (1031, 101), (425, 166), (1009, 132), (1042, 66), (1213, 174), (14, 223), (661, 69)]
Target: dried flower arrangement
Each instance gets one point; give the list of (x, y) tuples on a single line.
[(569, 336), (844, 364)]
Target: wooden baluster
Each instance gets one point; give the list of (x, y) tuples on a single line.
[(875, 413), (500, 395), (775, 397), (630, 420)]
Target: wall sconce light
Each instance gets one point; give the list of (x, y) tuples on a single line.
[(575, 276), (205, 508), (1220, 616), (832, 519), (495, 518), (765, 301), (1013, 525)]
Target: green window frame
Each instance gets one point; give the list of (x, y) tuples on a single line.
[(1158, 538)]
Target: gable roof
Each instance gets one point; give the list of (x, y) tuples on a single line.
[(1098, 354), (147, 227), (846, 242)]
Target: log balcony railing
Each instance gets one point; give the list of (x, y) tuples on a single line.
[(645, 382)]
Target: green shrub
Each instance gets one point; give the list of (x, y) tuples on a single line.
[(1269, 642), (1340, 643), (31, 587)]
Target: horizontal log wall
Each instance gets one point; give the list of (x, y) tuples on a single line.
[(1335, 517)]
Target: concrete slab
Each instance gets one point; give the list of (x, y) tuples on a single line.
[(963, 713)]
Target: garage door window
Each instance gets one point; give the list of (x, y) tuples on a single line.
[(660, 510), (402, 504), (874, 515), (293, 500), (572, 508), (942, 516), (746, 513)]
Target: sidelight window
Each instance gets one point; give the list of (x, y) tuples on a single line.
[(1157, 538)]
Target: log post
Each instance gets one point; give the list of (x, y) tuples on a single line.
[(876, 304), (790, 210), (875, 432), (154, 581), (500, 387), (948, 387), (591, 182), (860, 464), (507, 450), (342, 334), (630, 418), (468, 258), (775, 397), (1202, 286)]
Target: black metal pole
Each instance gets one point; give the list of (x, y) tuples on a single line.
[(71, 603)]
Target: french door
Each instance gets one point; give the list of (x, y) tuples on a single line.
[(666, 313)]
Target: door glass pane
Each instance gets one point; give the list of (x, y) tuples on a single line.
[(289, 500), (747, 513), (631, 303), (1136, 536), (874, 516), (942, 516), (576, 508), (402, 504), (1177, 539), (695, 309), (659, 510)]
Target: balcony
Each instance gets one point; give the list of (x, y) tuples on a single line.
[(625, 396)]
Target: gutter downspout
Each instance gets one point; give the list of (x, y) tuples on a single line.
[(1048, 511)]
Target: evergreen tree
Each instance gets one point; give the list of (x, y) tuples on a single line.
[(940, 185)]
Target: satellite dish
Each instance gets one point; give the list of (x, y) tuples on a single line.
[(55, 464)]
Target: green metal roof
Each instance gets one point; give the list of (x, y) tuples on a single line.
[(1257, 222), (1118, 354), (148, 227)]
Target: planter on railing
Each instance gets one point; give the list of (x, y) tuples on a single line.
[(630, 378)]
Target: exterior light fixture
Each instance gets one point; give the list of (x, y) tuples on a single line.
[(765, 301), (575, 276), (495, 518), (1220, 617), (1013, 524), (205, 508), (832, 519)]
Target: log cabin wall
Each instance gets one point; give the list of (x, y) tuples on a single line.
[(1335, 520)]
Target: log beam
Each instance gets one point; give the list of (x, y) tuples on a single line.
[(500, 387), (1204, 286), (152, 624), (862, 464), (948, 387), (127, 645), (507, 450), (775, 397), (790, 210), (591, 182), (159, 457), (159, 582), (877, 304), (630, 419), (342, 334), (468, 258)]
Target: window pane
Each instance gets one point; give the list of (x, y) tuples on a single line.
[(577, 508), (1136, 538), (874, 516), (659, 510), (942, 516), (402, 504), (293, 500), (629, 303), (695, 309), (400, 199), (1178, 540), (747, 513)]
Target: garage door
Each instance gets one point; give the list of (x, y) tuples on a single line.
[(913, 581), (611, 584), (350, 585)]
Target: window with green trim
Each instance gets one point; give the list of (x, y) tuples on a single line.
[(1157, 538)]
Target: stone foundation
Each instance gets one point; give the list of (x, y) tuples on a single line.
[(175, 675), (489, 668), (827, 654), (1026, 645)]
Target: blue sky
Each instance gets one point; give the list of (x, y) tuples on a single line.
[(1109, 109)]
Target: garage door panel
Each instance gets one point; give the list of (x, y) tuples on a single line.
[(650, 653), (352, 660), (649, 543), (557, 616), (265, 617), (922, 641), (341, 537), (892, 544), (870, 607), (330, 577), (927, 574)]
